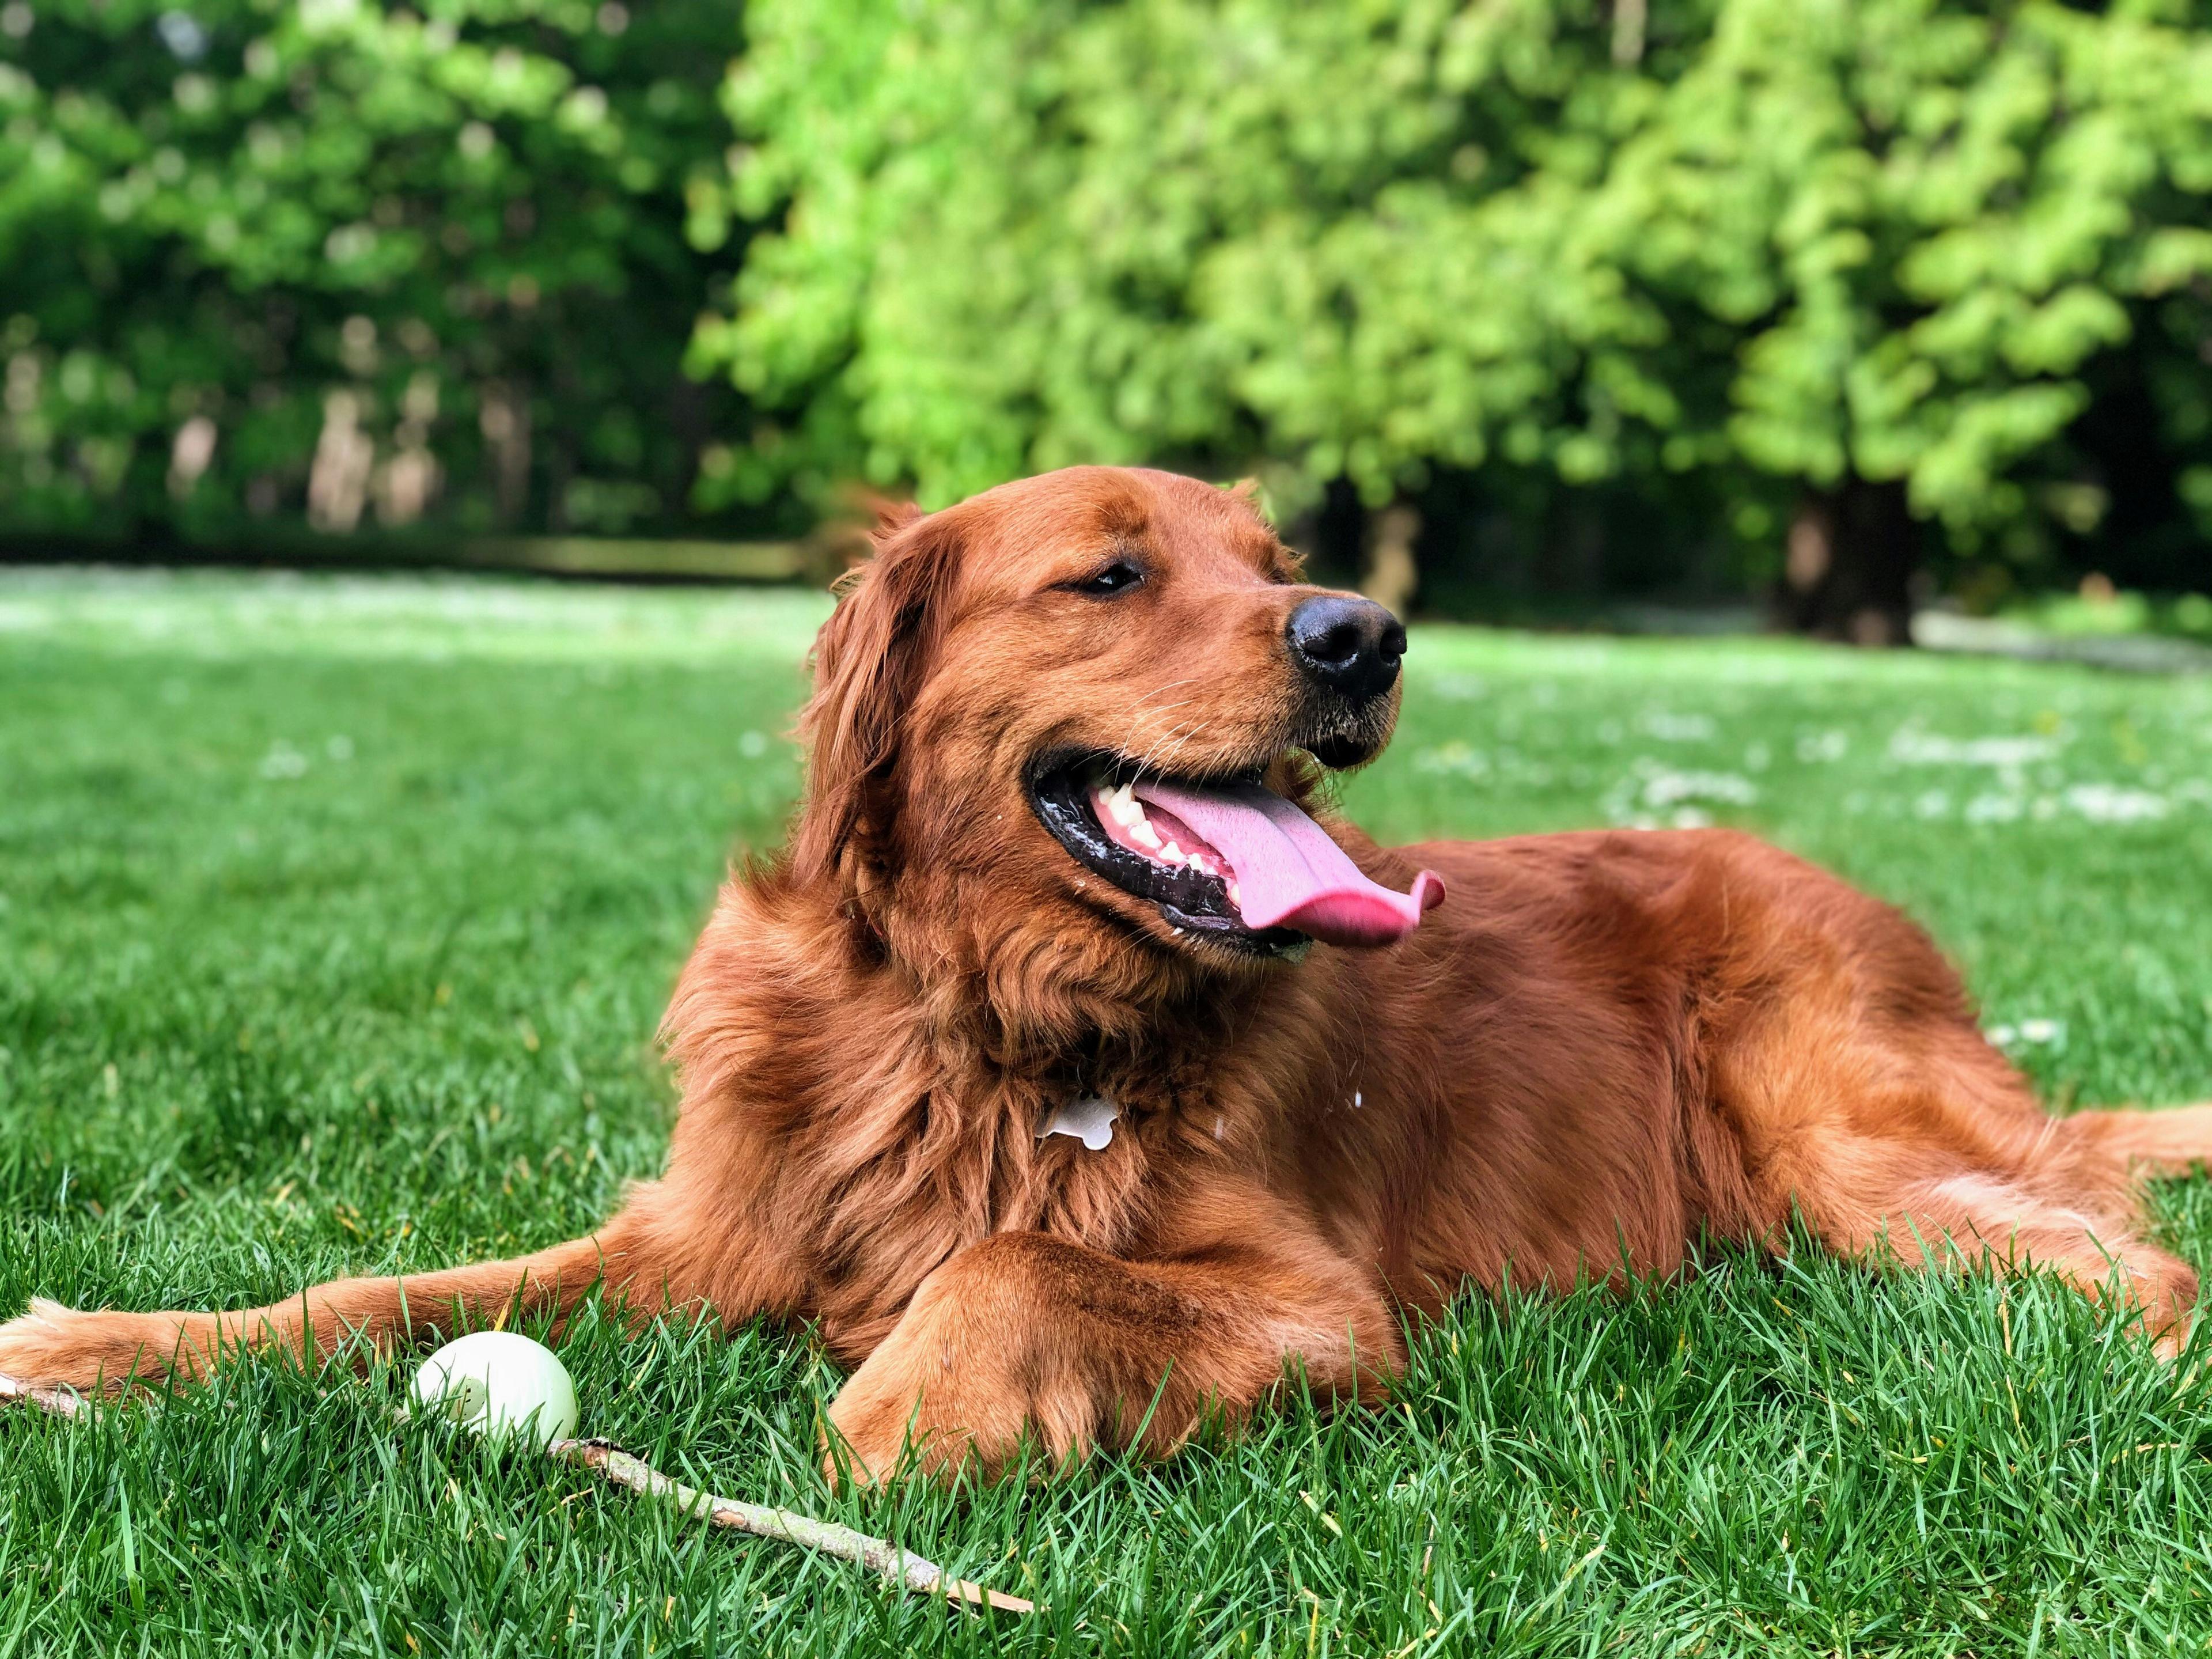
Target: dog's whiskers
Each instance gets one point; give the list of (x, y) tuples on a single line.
[(1177, 738), (1143, 707), (1165, 686), (1145, 758), (1160, 739)]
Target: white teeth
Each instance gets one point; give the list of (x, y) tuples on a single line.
[(1120, 805), (1235, 894)]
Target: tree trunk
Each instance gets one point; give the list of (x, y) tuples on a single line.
[(1331, 535), (1852, 554), (1391, 577)]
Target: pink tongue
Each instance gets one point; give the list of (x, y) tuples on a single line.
[(1289, 873)]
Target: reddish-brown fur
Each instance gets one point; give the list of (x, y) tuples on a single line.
[(1602, 1046)]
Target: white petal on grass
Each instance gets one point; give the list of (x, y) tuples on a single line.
[(1678, 728), (282, 761), (1664, 788), (2109, 803), (1654, 794), (2029, 1034), (1995, 809), (1911, 746)]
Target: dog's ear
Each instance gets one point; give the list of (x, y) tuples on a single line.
[(868, 664)]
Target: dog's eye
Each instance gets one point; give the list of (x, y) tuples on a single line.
[(1113, 579)]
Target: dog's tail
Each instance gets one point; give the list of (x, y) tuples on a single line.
[(2167, 1140)]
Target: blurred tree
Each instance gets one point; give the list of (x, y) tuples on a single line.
[(358, 261), (1922, 223), (1859, 266), (1606, 288)]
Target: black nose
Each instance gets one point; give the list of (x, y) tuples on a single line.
[(1349, 644)]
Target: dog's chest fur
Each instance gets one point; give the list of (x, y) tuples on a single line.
[(869, 1127), (894, 1189)]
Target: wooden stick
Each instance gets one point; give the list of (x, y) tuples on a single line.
[(888, 1560), (61, 1402), (763, 1521)]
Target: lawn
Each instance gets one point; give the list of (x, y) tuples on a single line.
[(334, 920)]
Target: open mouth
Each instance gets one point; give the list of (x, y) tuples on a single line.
[(1224, 858)]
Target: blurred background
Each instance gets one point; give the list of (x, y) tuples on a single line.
[(1808, 314), (336, 911)]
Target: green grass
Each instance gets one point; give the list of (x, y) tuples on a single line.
[(334, 920)]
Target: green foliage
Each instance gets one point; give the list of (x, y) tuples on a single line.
[(1925, 220), (1803, 240), (335, 918), (446, 240), (1644, 274)]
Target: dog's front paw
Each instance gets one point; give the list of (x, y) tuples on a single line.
[(973, 1379), (58, 1347), (887, 1421), (883, 1427)]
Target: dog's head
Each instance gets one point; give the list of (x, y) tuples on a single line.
[(1073, 720)]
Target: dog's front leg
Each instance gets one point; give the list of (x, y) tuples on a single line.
[(1026, 1335), (652, 1256)]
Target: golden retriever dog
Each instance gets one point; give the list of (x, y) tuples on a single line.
[(1077, 1071)]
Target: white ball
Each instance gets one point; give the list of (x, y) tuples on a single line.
[(499, 1383)]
